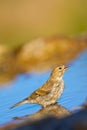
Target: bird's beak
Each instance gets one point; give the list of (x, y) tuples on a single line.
[(66, 67)]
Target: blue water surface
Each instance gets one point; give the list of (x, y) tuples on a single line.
[(74, 94)]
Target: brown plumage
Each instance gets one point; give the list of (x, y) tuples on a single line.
[(50, 91)]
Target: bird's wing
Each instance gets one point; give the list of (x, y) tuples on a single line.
[(38, 93)]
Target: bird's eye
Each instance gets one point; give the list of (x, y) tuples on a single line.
[(60, 68)]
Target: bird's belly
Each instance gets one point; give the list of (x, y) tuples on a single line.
[(52, 97)]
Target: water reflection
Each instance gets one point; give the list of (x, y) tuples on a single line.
[(74, 94)]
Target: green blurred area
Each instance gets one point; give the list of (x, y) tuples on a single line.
[(24, 20)]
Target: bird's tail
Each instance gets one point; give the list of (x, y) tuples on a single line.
[(20, 103)]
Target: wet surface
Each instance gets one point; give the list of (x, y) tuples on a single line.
[(74, 94)]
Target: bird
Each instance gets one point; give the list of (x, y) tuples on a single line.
[(49, 92)]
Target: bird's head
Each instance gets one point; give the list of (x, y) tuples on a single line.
[(58, 72)]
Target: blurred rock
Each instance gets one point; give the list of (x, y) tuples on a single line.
[(8, 64), (77, 121), (51, 110), (3, 52), (38, 55), (44, 53)]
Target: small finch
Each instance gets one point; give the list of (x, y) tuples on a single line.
[(49, 92)]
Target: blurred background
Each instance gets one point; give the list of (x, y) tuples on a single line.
[(24, 20)]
